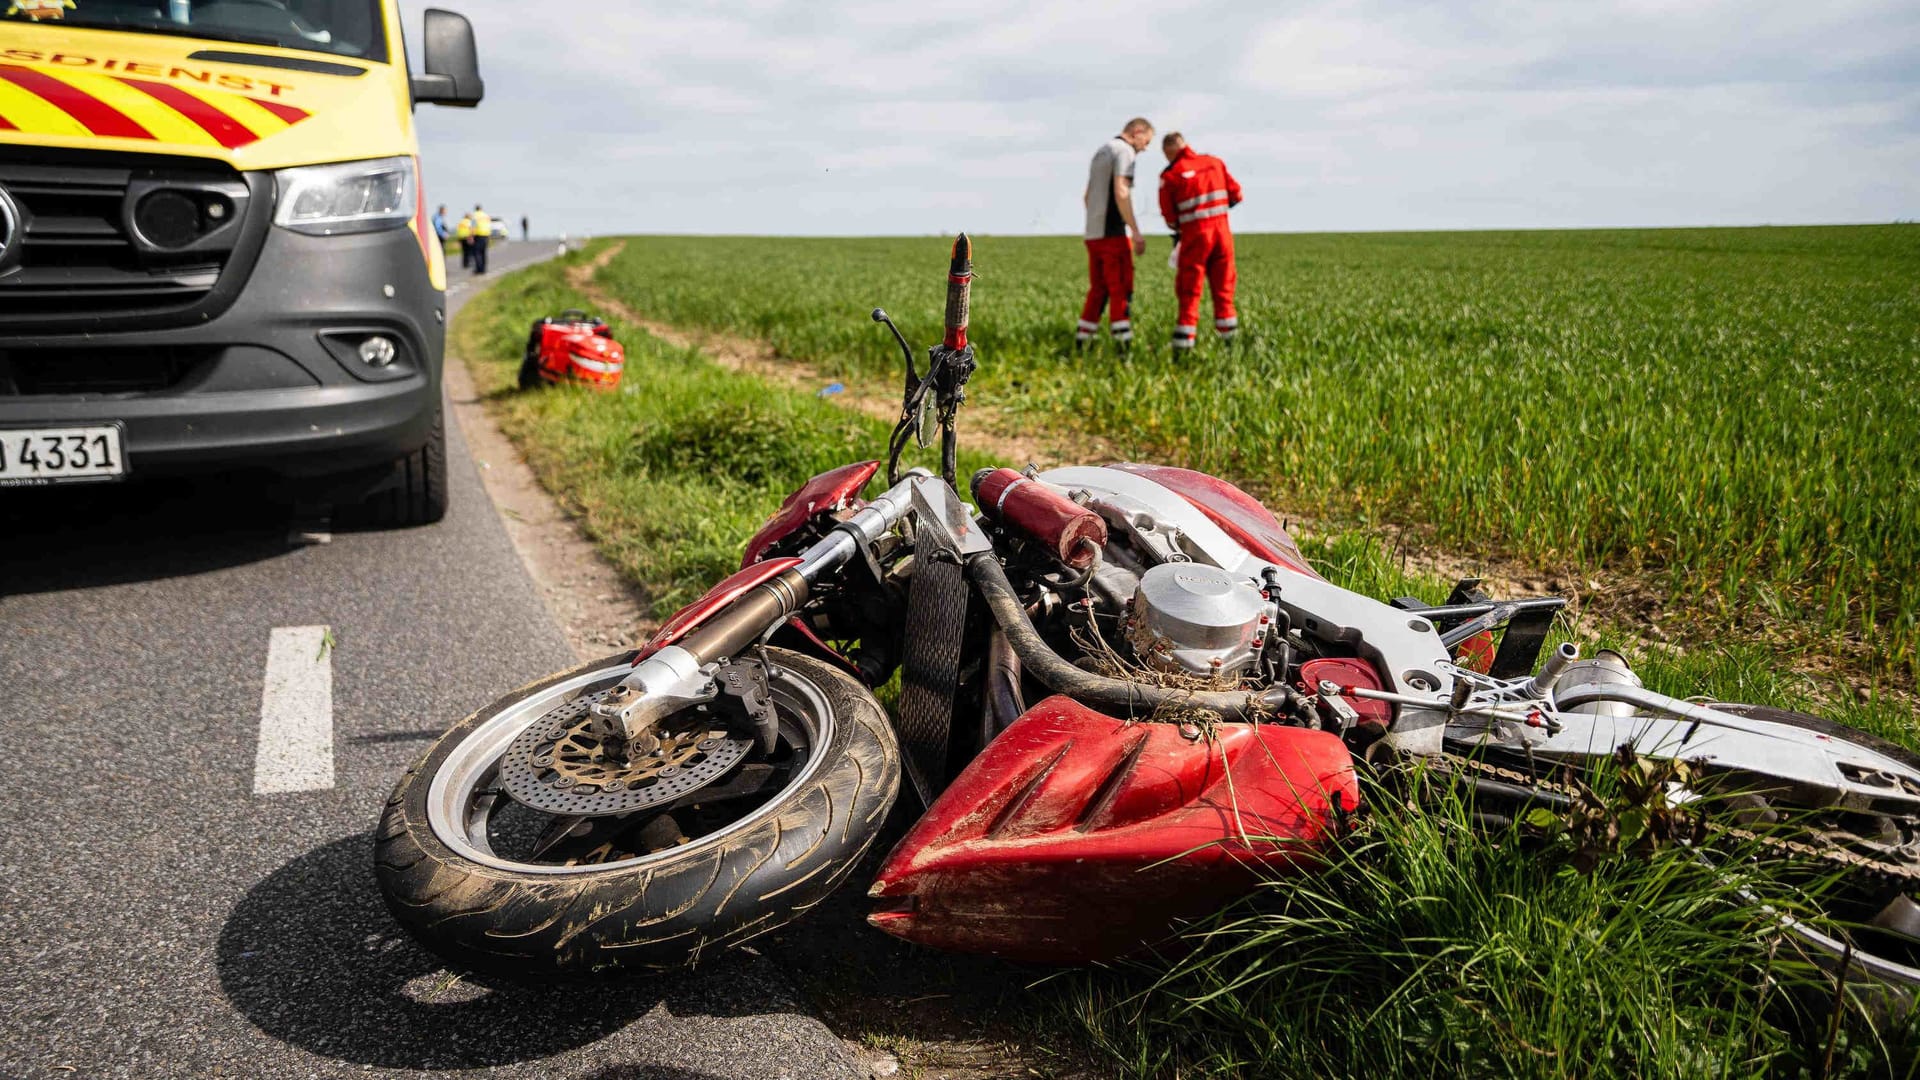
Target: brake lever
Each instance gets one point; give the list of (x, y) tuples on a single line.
[(913, 378)]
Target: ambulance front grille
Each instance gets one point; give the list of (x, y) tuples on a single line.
[(78, 267)]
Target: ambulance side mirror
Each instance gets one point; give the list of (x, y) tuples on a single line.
[(451, 60)]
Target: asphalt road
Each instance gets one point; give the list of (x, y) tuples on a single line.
[(160, 919)]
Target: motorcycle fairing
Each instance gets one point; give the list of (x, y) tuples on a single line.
[(1237, 513), (1077, 837), (835, 489)]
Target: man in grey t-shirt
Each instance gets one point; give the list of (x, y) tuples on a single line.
[(1113, 235)]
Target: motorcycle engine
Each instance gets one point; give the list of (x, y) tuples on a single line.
[(1199, 619)]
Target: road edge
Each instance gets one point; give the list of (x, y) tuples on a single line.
[(597, 609)]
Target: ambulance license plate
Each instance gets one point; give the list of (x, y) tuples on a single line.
[(34, 456)]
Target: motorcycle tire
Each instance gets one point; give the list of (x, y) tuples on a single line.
[(530, 360), (659, 911)]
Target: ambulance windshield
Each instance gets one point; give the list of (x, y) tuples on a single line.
[(342, 27)]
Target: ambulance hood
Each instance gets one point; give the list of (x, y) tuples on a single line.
[(148, 93)]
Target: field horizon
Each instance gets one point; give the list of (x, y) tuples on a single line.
[(1158, 230)]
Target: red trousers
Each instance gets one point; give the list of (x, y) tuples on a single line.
[(1110, 286), (1206, 249)]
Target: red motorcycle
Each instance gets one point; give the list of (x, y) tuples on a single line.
[(1124, 698)]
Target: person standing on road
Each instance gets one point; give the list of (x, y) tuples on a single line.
[(440, 227), (1196, 190), (526, 232), (482, 233), (464, 231), (1113, 235)]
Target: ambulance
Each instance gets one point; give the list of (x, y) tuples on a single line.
[(215, 251)]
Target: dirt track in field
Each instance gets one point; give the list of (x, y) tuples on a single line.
[(879, 399)]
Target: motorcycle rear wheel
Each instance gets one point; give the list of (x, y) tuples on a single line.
[(1882, 968), (647, 907)]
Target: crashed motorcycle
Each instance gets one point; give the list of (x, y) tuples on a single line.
[(1122, 697)]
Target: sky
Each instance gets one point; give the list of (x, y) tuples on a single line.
[(847, 117)]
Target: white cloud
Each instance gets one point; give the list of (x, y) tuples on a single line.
[(862, 117)]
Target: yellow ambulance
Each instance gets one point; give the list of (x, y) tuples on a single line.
[(215, 251)]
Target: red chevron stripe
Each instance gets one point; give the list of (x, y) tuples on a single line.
[(7, 125), (225, 130), (285, 112), (95, 115)]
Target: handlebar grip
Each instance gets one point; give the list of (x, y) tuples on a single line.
[(959, 292)]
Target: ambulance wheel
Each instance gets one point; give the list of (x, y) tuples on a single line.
[(415, 492)]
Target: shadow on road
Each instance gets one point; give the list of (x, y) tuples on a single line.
[(651, 1073), (313, 959), (82, 536), (963, 1013)]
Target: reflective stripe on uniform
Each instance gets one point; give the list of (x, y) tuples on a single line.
[(1207, 212), (1185, 332), (1088, 327), (1188, 204), (1226, 324), (1119, 325)]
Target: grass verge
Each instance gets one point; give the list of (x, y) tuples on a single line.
[(1430, 950)]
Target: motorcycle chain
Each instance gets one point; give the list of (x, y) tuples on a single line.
[(1907, 875)]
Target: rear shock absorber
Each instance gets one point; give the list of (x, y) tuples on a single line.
[(959, 292), (952, 362)]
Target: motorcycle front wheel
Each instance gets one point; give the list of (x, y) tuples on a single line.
[(497, 886)]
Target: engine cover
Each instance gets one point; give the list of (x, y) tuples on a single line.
[(1197, 618)]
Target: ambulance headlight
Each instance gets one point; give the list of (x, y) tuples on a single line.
[(353, 197)]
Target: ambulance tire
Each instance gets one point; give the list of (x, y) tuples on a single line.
[(416, 489)]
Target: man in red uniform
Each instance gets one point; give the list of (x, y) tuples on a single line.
[(1195, 192), (1113, 236)]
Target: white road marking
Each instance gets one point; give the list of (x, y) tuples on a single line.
[(296, 713)]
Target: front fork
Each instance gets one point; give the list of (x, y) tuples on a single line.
[(696, 667)]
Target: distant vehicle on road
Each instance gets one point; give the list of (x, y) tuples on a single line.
[(214, 246)]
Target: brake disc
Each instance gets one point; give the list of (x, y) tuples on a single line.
[(559, 765)]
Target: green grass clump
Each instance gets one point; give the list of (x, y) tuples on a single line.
[(1733, 407), (1430, 946)]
